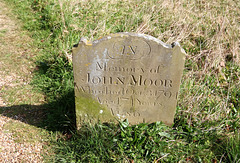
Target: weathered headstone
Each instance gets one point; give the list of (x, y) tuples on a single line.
[(127, 75)]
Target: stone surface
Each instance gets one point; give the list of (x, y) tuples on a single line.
[(127, 75)]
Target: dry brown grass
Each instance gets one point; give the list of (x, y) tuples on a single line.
[(208, 30), (212, 26)]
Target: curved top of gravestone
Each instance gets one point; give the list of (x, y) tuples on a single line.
[(127, 34)]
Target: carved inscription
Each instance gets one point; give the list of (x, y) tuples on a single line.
[(104, 67), (123, 91), (158, 89), (125, 114), (132, 50), (129, 80), (129, 75)]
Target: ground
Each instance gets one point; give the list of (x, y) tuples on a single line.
[(20, 138)]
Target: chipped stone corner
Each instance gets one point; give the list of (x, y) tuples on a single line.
[(177, 46)]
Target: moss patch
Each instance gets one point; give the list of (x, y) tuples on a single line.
[(89, 110)]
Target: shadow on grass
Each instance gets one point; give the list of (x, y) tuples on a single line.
[(55, 116)]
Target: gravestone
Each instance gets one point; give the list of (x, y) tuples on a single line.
[(127, 76)]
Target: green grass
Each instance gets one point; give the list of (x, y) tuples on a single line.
[(206, 124)]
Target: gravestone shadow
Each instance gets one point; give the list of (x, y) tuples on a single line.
[(55, 116)]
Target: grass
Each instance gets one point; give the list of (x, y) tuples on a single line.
[(206, 125)]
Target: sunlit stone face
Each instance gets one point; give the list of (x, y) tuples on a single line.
[(127, 75)]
